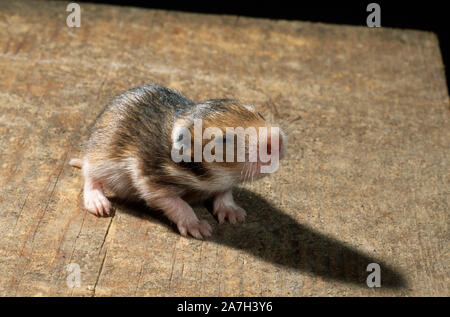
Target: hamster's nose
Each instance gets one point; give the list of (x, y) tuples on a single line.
[(279, 137)]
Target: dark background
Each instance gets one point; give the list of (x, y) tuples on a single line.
[(428, 15)]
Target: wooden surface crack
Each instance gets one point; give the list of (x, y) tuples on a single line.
[(99, 273)]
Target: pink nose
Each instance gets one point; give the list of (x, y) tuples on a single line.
[(279, 137)]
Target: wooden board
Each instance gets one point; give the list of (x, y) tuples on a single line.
[(365, 180)]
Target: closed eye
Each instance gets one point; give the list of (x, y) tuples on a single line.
[(227, 139), (262, 117), (222, 140)]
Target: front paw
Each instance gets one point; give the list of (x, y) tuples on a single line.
[(233, 213), (197, 228)]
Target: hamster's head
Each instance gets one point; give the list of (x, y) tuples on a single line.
[(223, 143)]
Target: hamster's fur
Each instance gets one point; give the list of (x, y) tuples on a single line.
[(129, 154)]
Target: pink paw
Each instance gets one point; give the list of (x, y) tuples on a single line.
[(196, 228), (96, 203), (232, 213)]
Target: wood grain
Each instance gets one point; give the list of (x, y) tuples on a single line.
[(366, 177)]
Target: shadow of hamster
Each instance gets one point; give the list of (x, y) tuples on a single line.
[(270, 234)]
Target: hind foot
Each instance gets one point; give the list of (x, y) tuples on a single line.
[(182, 214), (94, 199)]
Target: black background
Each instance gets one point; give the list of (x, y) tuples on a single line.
[(428, 15)]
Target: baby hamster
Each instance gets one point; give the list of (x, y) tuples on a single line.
[(131, 152)]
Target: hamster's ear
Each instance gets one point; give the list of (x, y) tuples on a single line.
[(181, 134)]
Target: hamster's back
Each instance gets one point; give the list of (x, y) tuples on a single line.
[(135, 120)]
